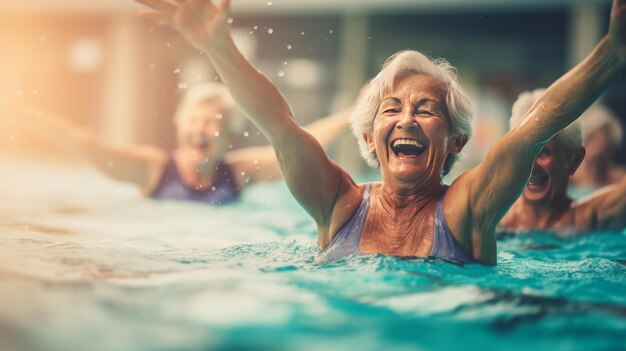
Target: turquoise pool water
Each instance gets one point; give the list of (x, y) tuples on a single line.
[(87, 264)]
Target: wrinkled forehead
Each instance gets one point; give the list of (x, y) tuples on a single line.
[(413, 87)]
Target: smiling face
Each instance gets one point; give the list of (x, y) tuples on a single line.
[(411, 135), (556, 162), (203, 131)]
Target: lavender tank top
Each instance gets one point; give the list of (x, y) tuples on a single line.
[(172, 187), (346, 242)]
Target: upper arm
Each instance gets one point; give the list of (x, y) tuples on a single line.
[(497, 182), (141, 165), (313, 179), (257, 164), (483, 195)]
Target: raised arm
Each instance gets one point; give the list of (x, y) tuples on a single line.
[(312, 178), (493, 186), (141, 165)]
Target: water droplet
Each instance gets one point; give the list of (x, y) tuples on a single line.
[(183, 85), (243, 173), (219, 115), (288, 47), (168, 45), (301, 33), (230, 20), (330, 31), (230, 146), (270, 30), (255, 27), (285, 63), (212, 188), (177, 70), (269, 3), (217, 133), (256, 162), (281, 73), (246, 134)]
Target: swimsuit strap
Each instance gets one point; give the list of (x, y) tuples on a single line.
[(347, 240)]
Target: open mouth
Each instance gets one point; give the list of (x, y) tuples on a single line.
[(538, 178), (202, 144), (407, 148)]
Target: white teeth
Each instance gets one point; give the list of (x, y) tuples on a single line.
[(406, 142)]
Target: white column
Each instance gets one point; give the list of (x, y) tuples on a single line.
[(121, 79), (585, 31)]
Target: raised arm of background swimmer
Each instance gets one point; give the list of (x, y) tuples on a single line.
[(605, 209), (140, 165), (312, 178), (495, 184)]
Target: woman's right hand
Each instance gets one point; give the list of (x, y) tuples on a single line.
[(202, 23)]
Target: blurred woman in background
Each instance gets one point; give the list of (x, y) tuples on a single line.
[(602, 137), (202, 167)]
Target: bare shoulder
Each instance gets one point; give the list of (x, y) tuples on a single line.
[(602, 210)]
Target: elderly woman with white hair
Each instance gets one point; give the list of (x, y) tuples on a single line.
[(602, 136), (544, 203), (412, 122), (202, 168)]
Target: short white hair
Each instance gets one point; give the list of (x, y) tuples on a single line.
[(598, 116), (400, 65), (211, 92), (572, 134)]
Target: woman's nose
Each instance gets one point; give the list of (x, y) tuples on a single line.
[(407, 124)]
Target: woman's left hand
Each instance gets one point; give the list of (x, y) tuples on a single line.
[(201, 22)]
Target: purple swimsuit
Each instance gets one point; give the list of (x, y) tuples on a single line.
[(171, 186), (347, 241)]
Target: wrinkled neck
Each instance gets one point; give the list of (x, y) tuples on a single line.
[(416, 196)]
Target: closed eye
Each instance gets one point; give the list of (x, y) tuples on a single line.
[(391, 110)]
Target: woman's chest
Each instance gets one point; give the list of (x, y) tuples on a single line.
[(406, 233)]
